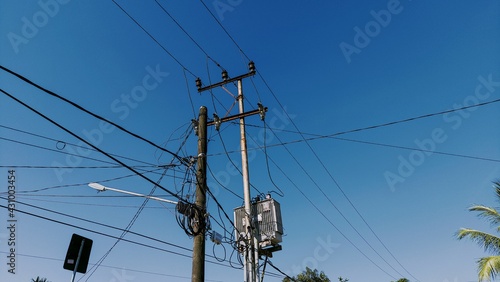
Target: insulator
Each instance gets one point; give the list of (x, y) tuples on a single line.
[(198, 83), (251, 66)]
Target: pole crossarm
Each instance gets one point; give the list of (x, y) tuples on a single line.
[(237, 116), (226, 80)]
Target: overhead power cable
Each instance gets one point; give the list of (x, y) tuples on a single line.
[(344, 194), (335, 206), (54, 150), (101, 224), (279, 270), (104, 225), (419, 149), (110, 236), (361, 142), (25, 197), (332, 135), (109, 266), (79, 184), (188, 35), (317, 157), (89, 112), (63, 144), (328, 220), (90, 144), (224, 29), (71, 167), (153, 38)]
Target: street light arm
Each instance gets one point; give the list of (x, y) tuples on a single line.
[(100, 187)]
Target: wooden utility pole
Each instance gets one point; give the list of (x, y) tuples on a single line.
[(198, 269)]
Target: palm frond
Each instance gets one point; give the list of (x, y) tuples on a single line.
[(496, 185), (490, 243), (488, 268), (491, 214)]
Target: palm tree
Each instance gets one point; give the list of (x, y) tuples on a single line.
[(488, 267)]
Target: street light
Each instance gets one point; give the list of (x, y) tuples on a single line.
[(101, 188)]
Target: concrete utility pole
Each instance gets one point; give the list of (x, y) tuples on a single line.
[(251, 254), (198, 268)]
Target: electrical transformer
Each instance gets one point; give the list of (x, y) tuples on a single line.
[(266, 219)]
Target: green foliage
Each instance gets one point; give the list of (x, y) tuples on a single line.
[(488, 267), (38, 279), (310, 275), (343, 279), (403, 280)]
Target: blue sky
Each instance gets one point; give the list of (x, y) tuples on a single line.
[(391, 197)]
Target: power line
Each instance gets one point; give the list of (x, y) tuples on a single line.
[(345, 196), (87, 112), (90, 144), (234, 165), (72, 167), (100, 224), (331, 176), (419, 149), (188, 35), (129, 226), (328, 220), (314, 153), (224, 29), (153, 38), (318, 136), (334, 206), (104, 225), (53, 150), (279, 270), (79, 184), (84, 204), (64, 144), (111, 236), (221, 185), (316, 157), (109, 266)]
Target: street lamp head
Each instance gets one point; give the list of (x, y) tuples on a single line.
[(97, 186)]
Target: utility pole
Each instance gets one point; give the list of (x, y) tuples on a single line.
[(251, 257), (198, 268), (251, 244)]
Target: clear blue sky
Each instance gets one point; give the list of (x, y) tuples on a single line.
[(335, 66)]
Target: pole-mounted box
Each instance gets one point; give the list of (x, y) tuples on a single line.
[(266, 219)]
